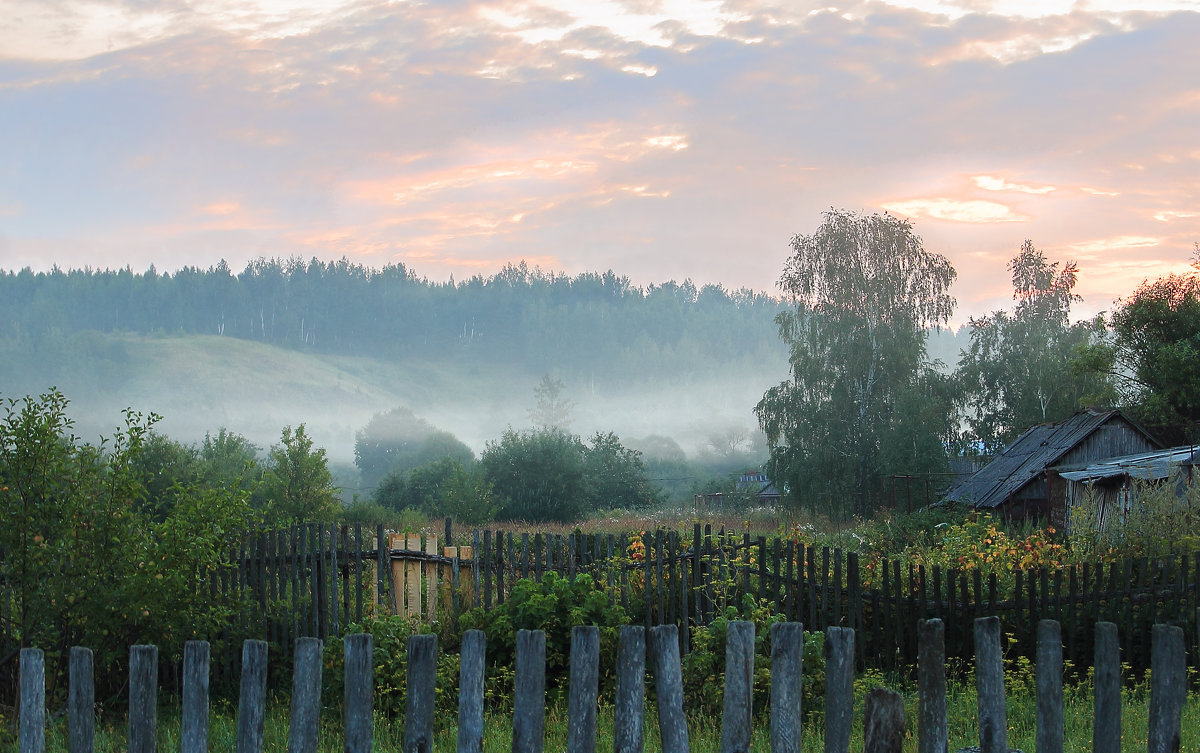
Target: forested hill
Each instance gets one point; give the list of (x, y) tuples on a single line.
[(598, 324)]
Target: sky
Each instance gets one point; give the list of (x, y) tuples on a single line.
[(662, 139)]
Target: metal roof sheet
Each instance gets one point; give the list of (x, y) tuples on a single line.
[(1144, 465)]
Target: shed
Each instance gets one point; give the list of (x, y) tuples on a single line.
[(1109, 481), (1015, 483)]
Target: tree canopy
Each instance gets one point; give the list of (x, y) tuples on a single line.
[(864, 291), (1016, 370)]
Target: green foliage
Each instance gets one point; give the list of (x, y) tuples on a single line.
[(297, 484), (390, 635), (1150, 509), (538, 475), (87, 560), (554, 604), (704, 664), (398, 441), (1152, 354), (865, 290), (1016, 371), (616, 475), (443, 488)]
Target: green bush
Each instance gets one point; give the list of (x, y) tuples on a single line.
[(704, 665), (554, 604), (390, 635)]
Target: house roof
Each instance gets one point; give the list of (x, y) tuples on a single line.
[(1144, 465), (1026, 458)]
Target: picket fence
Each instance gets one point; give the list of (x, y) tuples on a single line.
[(884, 720)]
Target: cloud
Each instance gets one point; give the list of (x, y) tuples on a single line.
[(1105, 245), (991, 183), (955, 210)]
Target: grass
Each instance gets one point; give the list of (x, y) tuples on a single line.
[(705, 732)]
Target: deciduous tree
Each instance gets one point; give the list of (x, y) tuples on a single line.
[(864, 290), (1016, 370)]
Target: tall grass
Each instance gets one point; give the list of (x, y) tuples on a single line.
[(705, 731)]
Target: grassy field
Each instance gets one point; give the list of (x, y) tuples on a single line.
[(705, 732)]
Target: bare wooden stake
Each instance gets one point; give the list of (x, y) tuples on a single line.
[(33, 701), (932, 727), (81, 702), (629, 708), (193, 731), (306, 697), (668, 684), (839, 688), (989, 684), (422, 684), (883, 722), (583, 690), (1168, 689), (529, 698), (143, 699), (1049, 680), (359, 679), (252, 706), (787, 686), (470, 692), (1106, 727)]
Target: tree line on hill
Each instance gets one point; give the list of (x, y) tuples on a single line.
[(598, 324)]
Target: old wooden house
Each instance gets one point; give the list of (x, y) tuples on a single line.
[(1016, 484)]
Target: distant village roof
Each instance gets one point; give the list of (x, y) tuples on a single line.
[(1026, 458), (1148, 466)]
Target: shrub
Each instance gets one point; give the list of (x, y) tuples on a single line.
[(704, 665), (554, 604)]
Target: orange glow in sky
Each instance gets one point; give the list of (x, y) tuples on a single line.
[(667, 140)]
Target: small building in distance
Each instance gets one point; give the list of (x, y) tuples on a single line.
[(1016, 483)]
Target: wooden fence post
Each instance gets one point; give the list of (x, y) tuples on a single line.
[(629, 706), (739, 687), (529, 697), (787, 686), (359, 650), (422, 684), (839, 688), (1049, 670), (470, 692), (193, 723), (306, 697), (33, 701), (1106, 727), (668, 683), (252, 705), (81, 702), (583, 690), (143, 699), (1168, 688), (932, 727), (989, 683), (883, 722)]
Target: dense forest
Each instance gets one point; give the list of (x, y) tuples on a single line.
[(600, 325)]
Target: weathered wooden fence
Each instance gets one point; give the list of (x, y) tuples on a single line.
[(317, 579), (884, 720)]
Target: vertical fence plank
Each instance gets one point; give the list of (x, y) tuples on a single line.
[(529, 692), (839, 688), (739, 687), (81, 702), (1106, 728), (359, 679), (932, 725), (143, 699), (1168, 689), (418, 708), (252, 704), (668, 685), (306, 697), (193, 731), (883, 722), (989, 682), (584, 689), (787, 687), (430, 576), (1049, 680), (470, 692), (33, 701), (629, 706)]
